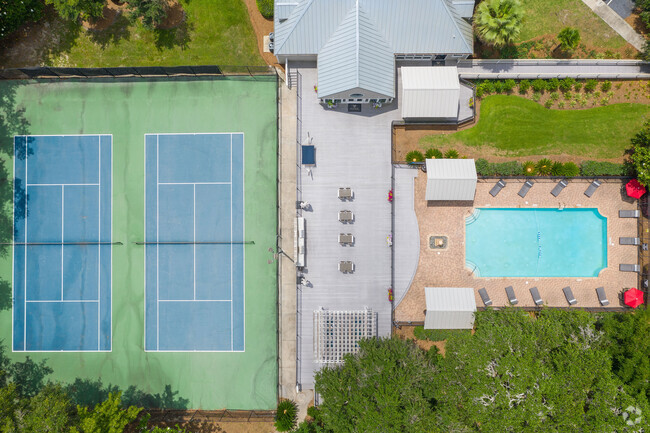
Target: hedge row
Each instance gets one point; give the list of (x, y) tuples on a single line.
[(546, 167), (266, 8), (487, 87)]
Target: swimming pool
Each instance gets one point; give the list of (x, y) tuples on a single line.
[(536, 242)]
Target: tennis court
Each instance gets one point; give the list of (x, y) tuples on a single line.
[(194, 242), (62, 243)]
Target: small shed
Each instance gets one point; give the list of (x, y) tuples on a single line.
[(449, 308), (430, 92), (451, 179)]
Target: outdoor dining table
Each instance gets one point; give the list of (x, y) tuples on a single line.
[(346, 266), (345, 193), (346, 238), (346, 216)]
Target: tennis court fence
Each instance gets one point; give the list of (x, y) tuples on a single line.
[(135, 72)]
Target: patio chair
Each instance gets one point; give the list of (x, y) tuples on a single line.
[(559, 187), (484, 297), (623, 267), (345, 193), (629, 241), (511, 295), (536, 298), (346, 238), (568, 294), (628, 213), (602, 297), (525, 188), (496, 189), (592, 188)]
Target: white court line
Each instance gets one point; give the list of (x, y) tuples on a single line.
[(195, 300), (99, 247), (25, 217), (63, 301), (157, 240), (232, 333), (62, 184), (194, 183)]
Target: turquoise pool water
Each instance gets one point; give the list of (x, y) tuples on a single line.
[(536, 242)]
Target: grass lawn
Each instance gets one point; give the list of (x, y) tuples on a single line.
[(548, 17), (214, 32), (519, 127)]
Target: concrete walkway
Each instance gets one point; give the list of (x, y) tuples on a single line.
[(617, 23), (531, 69)]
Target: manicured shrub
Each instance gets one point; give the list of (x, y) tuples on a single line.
[(552, 84), (315, 413), (511, 168), (577, 86), (537, 96), (451, 154), (557, 168), (590, 85), (266, 8), (555, 96), (414, 156), (538, 85), (566, 84), (286, 416), (498, 86), (570, 169), (605, 86), (433, 154), (548, 103), (598, 168), (524, 85), (529, 168), (484, 168), (436, 334), (508, 85), (543, 166)]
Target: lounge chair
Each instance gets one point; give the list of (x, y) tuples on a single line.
[(592, 188), (628, 213), (525, 188), (511, 295), (496, 189), (629, 268), (484, 297), (602, 297), (629, 241), (559, 187), (568, 294), (535, 294)]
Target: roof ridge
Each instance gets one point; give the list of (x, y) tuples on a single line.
[(445, 4)]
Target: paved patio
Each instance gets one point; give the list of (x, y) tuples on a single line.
[(446, 268)]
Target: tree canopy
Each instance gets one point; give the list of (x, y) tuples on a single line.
[(75, 9), (498, 22), (640, 157)]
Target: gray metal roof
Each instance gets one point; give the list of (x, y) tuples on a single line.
[(356, 56), (283, 9), (430, 92), (465, 8), (451, 179), (449, 308), (408, 26)]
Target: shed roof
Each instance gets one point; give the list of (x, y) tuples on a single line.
[(451, 179), (356, 56), (449, 307), (430, 92)]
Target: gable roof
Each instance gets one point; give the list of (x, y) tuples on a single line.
[(407, 26), (430, 92), (356, 55)]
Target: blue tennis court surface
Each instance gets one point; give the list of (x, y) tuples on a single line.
[(62, 243), (194, 228)]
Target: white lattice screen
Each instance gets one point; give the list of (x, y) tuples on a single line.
[(338, 332)]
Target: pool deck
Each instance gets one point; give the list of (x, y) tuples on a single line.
[(446, 268)]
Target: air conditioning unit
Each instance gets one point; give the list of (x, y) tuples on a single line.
[(271, 46), (271, 36)]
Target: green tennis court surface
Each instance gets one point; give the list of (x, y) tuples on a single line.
[(239, 372)]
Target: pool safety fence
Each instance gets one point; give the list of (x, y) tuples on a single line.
[(47, 72), (555, 179)]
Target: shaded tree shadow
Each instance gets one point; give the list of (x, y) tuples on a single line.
[(87, 392), (12, 122), (118, 31), (176, 37), (62, 38)]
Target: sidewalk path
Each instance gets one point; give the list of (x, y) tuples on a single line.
[(531, 69), (617, 23)]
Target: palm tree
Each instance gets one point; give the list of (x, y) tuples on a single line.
[(569, 38), (498, 22)]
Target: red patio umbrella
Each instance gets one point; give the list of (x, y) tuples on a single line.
[(635, 189), (633, 297)]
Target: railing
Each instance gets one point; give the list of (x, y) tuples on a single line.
[(298, 83), (134, 71)]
